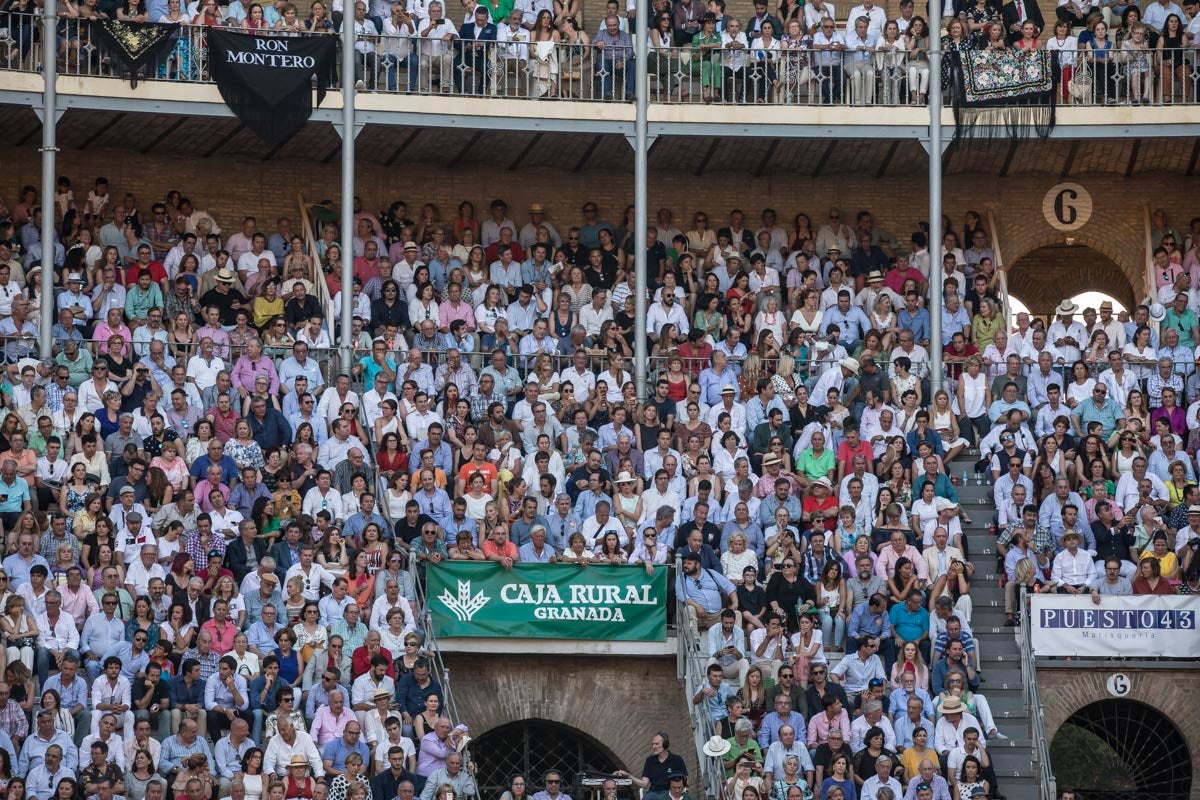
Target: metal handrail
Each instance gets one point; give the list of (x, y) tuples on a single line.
[(1047, 784), (430, 645), (792, 72), (1148, 237), (690, 665), (1001, 272), (320, 287)]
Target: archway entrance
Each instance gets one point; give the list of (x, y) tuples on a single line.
[(530, 748), (1046, 276), (1122, 750)]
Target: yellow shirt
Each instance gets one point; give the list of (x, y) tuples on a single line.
[(265, 309)]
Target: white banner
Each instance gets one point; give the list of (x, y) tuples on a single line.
[(1144, 626)]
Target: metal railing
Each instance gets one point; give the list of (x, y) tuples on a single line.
[(786, 72), (691, 667), (1047, 785)]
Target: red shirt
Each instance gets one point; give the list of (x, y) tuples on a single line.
[(158, 272), (361, 661), (812, 504), (846, 454)]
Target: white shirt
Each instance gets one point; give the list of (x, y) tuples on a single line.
[(313, 579), (203, 372), (279, 753), (248, 261), (61, 636), (140, 577), (876, 15), (733, 59), (1073, 570), (315, 502)]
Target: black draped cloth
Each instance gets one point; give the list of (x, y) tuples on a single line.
[(1003, 93), (134, 47), (267, 81)]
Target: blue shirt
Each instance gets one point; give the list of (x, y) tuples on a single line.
[(336, 752), (898, 704), (174, 752), (317, 697), (918, 323), (864, 623), (909, 625), (706, 589), (130, 665), (99, 632), (904, 728), (769, 730), (410, 696), (76, 694)]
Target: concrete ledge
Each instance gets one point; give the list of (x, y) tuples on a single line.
[(558, 647), (163, 97)]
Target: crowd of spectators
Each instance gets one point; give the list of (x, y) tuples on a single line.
[(209, 530), (1103, 51)]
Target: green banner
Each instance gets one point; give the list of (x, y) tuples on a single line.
[(548, 601)]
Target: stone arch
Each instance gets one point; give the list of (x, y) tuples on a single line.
[(1045, 275), (1112, 231), (532, 747), (619, 702), (1122, 749)]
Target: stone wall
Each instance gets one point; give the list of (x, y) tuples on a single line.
[(621, 702)]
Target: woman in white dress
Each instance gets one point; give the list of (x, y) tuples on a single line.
[(543, 55), (1079, 390), (974, 397)]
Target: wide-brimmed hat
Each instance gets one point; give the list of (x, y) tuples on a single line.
[(770, 458), (411, 246), (874, 275), (1072, 534), (716, 747), (298, 761), (728, 389), (824, 481), (536, 208), (226, 276), (1106, 305), (850, 364), (952, 705), (1066, 307), (1157, 312), (625, 477)]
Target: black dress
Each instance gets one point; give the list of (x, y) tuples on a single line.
[(790, 595)]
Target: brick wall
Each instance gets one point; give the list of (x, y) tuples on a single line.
[(1172, 692), (230, 188), (619, 702)]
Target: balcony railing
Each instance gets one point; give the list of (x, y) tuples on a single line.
[(795, 74)]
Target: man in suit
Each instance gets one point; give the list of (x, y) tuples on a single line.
[(474, 54), (1016, 13), (193, 598), (244, 550), (286, 552)]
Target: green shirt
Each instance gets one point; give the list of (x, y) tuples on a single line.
[(138, 303), (812, 466), (1185, 323)]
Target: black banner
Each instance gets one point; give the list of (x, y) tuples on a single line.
[(267, 81), (135, 46)]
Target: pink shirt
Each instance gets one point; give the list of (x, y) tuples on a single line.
[(222, 637), (818, 727), (886, 565), (245, 371), (326, 727), (102, 333), (448, 313)]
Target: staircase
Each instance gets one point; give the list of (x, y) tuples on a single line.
[(1000, 654)]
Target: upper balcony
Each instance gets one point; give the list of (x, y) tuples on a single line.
[(576, 88)]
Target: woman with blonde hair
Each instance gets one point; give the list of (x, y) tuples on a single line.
[(20, 631)]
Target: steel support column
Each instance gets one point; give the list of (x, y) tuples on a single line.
[(935, 196), (49, 158), (641, 211), (346, 312)]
